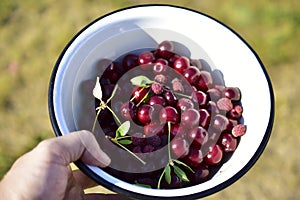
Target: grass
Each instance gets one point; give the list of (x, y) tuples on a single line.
[(33, 33)]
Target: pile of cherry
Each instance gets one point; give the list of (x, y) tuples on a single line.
[(181, 110)]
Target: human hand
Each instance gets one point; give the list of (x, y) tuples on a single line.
[(45, 172)]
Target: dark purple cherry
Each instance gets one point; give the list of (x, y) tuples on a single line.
[(172, 59), (180, 147), (113, 72), (138, 139), (194, 158), (181, 64), (177, 131), (169, 114), (190, 118), (154, 140), (146, 58), (191, 74), (201, 174), (130, 61), (148, 148), (155, 128)]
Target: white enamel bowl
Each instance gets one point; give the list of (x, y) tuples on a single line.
[(72, 105)]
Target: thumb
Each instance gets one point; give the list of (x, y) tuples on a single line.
[(78, 145)]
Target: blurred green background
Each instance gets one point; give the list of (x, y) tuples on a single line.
[(33, 33)]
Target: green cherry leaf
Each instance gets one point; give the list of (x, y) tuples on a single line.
[(123, 129), (168, 174), (124, 142), (142, 185), (141, 81), (185, 165), (97, 92), (180, 173)]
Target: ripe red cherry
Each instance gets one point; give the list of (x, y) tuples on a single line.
[(232, 93), (214, 156), (177, 131), (184, 104), (165, 49), (181, 64), (146, 58), (154, 100), (144, 115), (160, 66), (128, 110), (170, 98), (205, 81), (191, 74), (200, 98), (228, 142), (205, 118), (169, 114), (180, 147), (190, 118), (139, 93), (198, 135), (220, 122)]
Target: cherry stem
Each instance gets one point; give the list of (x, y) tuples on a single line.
[(171, 163), (183, 95), (124, 137), (138, 92), (169, 144), (115, 116), (95, 121), (146, 95), (114, 140)]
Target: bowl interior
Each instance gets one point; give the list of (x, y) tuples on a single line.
[(198, 37)]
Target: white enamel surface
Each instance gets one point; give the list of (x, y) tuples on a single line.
[(142, 27)]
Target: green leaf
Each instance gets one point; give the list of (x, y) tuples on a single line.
[(185, 165), (97, 92), (125, 142), (168, 174), (180, 173), (142, 185), (141, 81), (123, 129)]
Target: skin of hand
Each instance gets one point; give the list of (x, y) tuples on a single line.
[(45, 172)]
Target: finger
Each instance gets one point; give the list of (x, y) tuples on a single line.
[(74, 146), (83, 180), (105, 197)]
